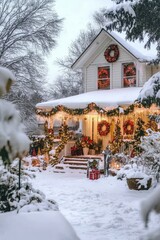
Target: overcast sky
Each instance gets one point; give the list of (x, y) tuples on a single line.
[(77, 14)]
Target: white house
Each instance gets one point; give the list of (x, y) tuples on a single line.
[(113, 73), (124, 67)]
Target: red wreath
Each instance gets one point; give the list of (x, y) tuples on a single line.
[(103, 128), (129, 70), (107, 53), (128, 127)]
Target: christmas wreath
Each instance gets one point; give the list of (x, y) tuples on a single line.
[(103, 128), (128, 127), (108, 56), (130, 70)]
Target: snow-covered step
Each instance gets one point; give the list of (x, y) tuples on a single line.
[(75, 162), (75, 159), (63, 168)]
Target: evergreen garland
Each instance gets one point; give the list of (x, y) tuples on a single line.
[(89, 108)]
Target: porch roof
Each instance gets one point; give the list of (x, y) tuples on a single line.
[(103, 98)]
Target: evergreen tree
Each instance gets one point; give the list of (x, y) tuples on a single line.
[(117, 139), (139, 132), (138, 19), (152, 125)]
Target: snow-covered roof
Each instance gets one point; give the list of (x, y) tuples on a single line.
[(100, 38), (148, 89), (102, 98)]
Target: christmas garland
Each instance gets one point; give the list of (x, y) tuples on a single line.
[(103, 128), (107, 53), (89, 108), (128, 127)]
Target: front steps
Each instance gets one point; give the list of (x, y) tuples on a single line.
[(73, 164)]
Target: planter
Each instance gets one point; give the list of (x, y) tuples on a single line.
[(85, 151), (139, 183)]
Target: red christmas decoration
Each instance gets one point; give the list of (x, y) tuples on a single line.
[(103, 72), (108, 56), (128, 127), (129, 70), (129, 75), (103, 128), (50, 131)]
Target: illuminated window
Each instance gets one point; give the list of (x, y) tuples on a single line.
[(103, 78), (129, 75)]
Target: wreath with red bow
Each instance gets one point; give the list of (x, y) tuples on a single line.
[(103, 128), (107, 54), (128, 127)]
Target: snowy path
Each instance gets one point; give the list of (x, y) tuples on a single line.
[(103, 209)]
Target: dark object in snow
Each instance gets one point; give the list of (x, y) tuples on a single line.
[(135, 184)]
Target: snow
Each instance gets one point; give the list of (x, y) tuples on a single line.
[(132, 48), (12, 135), (151, 203), (97, 209), (35, 225), (6, 78), (149, 88), (103, 98)]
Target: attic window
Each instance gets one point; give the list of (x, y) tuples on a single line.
[(129, 75), (103, 78)]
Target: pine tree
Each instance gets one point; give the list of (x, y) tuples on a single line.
[(138, 19), (152, 125), (139, 132), (117, 139)]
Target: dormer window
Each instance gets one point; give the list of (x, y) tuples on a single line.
[(103, 78), (129, 75)]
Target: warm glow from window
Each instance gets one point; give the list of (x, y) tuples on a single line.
[(103, 78), (129, 75)]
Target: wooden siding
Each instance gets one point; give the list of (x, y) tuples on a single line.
[(116, 73)]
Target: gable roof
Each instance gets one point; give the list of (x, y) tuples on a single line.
[(94, 45)]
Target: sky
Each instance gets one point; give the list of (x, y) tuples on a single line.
[(77, 14)]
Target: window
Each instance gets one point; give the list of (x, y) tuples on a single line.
[(129, 75), (103, 78)]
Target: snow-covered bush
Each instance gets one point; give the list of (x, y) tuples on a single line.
[(150, 92), (14, 143), (150, 156), (24, 199)]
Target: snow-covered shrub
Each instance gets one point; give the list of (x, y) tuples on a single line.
[(150, 92), (132, 169), (24, 199), (14, 143), (150, 156)]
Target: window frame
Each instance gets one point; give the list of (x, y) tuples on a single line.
[(131, 76), (107, 67)]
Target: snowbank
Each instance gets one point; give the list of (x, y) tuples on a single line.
[(47, 225)]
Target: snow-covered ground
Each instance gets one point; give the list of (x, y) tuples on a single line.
[(103, 209)]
